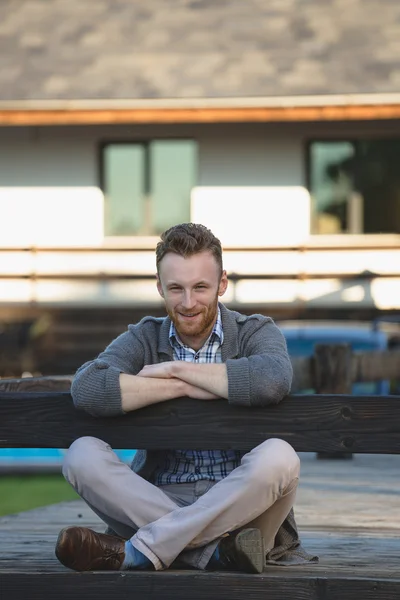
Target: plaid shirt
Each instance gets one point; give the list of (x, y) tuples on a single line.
[(185, 466)]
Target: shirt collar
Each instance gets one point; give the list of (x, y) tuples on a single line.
[(217, 331)]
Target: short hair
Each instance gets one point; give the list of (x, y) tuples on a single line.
[(187, 239)]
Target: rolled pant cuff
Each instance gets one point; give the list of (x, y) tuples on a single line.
[(198, 558), (158, 565), (206, 555)]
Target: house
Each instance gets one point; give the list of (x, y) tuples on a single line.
[(276, 123)]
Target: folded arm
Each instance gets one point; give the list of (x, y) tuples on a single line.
[(260, 376), (117, 382), (210, 377), (137, 392), (109, 385)]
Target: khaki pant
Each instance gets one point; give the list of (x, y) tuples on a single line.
[(185, 520)]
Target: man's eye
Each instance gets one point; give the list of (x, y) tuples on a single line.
[(200, 287)]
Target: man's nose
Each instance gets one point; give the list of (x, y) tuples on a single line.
[(188, 300)]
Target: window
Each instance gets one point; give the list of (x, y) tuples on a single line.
[(355, 186), (147, 185)]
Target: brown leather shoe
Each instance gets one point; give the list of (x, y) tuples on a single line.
[(82, 549)]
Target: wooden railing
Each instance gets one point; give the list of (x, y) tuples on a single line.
[(332, 369), (309, 423), (38, 412), (326, 423)]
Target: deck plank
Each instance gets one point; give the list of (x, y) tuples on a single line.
[(347, 512), (28, 540)]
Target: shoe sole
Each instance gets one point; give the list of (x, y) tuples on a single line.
[(250, 550)]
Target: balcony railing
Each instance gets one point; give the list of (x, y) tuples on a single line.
[(359, 269)]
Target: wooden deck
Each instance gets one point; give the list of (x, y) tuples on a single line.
[(350, 555), (348, 512)]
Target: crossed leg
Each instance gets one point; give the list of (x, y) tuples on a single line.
[(260, 492)]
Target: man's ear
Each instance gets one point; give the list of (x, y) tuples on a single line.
[(159, 287), (223, 284)]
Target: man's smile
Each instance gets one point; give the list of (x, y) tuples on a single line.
[(189, 315)]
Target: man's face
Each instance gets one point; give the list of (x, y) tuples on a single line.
[(190, 288)]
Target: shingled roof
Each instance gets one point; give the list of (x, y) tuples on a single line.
[(133, 49)]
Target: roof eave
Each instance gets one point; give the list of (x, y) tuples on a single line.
[(347, 107)]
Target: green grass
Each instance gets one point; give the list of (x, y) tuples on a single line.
[(23, 492)]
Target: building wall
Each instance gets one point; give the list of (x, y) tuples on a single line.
[(47, 157), (230, 154)]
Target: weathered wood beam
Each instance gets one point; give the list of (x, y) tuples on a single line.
[(310, 423), (332, 369), (372, 366), (276, 583), (53, 383), (365, 366)]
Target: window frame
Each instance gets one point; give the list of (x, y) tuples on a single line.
[(145, 142), (354, 140)]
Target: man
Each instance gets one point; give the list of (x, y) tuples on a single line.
[(209, 509)]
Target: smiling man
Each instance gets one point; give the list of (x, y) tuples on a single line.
[(211, 508)]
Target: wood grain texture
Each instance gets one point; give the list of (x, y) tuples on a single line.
[(55, 383), (365, 366), (354, 564), (310, 423), (356, 561), (332, 369), (372, 366), (181, 585)]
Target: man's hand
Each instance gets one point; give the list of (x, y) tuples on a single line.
[(137, 392), (206, 381), (210, 377), (164, 370)]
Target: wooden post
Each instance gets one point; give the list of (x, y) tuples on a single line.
[(332, 369), (333, 375)]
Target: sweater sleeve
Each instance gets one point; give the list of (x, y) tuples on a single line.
[(95, 387), (263, 374)]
